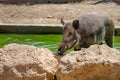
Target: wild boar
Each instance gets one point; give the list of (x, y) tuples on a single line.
[(86, 30)]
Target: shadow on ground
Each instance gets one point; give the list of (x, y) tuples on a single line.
[(32, 2)]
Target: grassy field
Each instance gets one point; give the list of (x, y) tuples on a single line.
[(50, 41)]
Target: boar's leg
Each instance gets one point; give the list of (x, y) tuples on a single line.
[(109, 33), (77, 48), (109, 41)]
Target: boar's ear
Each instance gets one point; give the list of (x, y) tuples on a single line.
[(62, 21), (75, 24)]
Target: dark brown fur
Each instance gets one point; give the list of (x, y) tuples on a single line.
[(87, 30)]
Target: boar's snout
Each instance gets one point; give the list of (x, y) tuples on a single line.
[(62, 48), (59, 53)]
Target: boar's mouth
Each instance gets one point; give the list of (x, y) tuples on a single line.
[(63, 48)]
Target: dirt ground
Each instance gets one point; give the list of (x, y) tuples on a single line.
[(52, 13)]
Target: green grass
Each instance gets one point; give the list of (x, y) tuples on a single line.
[(117, 42), (50, 41)]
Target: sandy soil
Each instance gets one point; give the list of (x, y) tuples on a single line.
[(52, 13)]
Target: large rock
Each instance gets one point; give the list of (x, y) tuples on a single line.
[(23, 62), (98, 62)]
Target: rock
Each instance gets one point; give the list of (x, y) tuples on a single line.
[(118, 19), (49, 16), (98, 62), (24, 62)]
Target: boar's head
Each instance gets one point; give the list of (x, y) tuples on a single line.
[(70, 37)]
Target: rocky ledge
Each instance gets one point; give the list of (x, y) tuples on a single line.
[(98, 62), (25, 62)]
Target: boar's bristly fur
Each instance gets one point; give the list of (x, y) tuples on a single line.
[(86, 30)]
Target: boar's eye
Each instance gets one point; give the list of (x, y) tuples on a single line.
[(66, 47)]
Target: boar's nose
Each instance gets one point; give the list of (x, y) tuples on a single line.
[(59, 53)]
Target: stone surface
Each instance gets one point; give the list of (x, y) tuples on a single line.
[(98, 62), (24, 62)]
